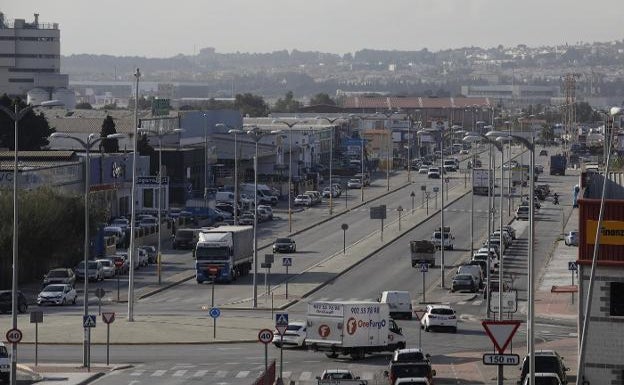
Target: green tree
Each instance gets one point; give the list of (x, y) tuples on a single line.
[(143, 146), (108, 128), (322, 98), (585, 113), (547, 134), (34, 129), (84, 106), (251, 105), (288, 104)]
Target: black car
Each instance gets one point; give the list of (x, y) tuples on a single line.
[(463, 282), (284, 245), (6, 299), (546, 361), (409, 369)]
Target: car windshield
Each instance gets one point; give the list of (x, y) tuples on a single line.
[(93, 265), (463, 277), (293, 327), (106, 263), (283, 240), (54, 288), (410, 357), (57, 274), (442, 311), (410, 370)]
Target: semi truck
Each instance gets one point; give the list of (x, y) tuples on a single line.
[(558, 164), (352, 328), (225, 252), (481, 181), (422, 252)]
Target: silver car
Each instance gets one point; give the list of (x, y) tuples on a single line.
[(572, 238), (57, 294), (95, 271), (108, 267)]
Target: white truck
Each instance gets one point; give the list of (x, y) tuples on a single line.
[(339, 377), (481, 182), (352, 328), (422, 252), (228, 249), (443, 238)]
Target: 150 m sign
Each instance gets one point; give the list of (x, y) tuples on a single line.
[(501, 359)]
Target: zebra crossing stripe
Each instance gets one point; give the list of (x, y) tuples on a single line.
[(478, 302), (242, 374), (180, 373), (221, 373), (368, 376), (137, 372), (287, 374), (305, 376), (158, 373), (200, 373), (461, 302)]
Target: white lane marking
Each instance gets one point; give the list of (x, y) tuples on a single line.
[(287, 374), (242, 374), (461, 303), (478, 302), (305, 376), (137, 372), (158, 373), (179, 373), (221, 373), (200, 373)]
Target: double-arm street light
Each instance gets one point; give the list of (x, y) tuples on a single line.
[(234, 131), (256, 134), (290, 149), (331, 158), (159, 133), (16, 115), (87, 145)]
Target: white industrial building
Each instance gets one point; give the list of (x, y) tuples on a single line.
[(30, 61)]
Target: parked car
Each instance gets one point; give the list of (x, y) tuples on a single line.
[(152, 253), (294, 336), (330, 191), (120, 222), (60, 275), (123, 269), (108, 267), (303, 200), (572, 238), (433, 173), (95, 271), (222, 215), (439, 317), (284, 245), (263, 215), (246, 219), (57, 294), (423, 169), (142, 257), (546, 361), (354, 184), (6, 301), (522, 213), (464, 282), (268, 209)]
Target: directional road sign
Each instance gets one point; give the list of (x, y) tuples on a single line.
[(424, 267), (215, 312), (14, 336), (281, 322), (108, 317), (265, 336), (88, 321), (286, 261), (572, 266), (510, 301), (501, 332), (501, 359), (99, 293), (419, 313)]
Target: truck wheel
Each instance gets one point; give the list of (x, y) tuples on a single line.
[(357, 355), (332, 355)]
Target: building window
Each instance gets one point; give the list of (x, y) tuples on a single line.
[(148, 198), (616, 299)]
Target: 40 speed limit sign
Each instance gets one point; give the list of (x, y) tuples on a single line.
[(14, 336), (265, 336)]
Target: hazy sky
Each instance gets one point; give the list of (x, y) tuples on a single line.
[(157, 28)]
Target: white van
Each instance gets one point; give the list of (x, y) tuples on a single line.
[(473, 270), (224, 196), (399, 302)]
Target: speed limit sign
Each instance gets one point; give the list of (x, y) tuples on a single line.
[(265, 336), (14, 336)]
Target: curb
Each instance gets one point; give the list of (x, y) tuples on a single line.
[(92, 378)]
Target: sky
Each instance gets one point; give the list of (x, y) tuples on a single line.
[(157, 28)]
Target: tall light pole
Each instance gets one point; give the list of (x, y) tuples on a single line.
[(388, 115), (132, 252), (409, 148), (362, 144), (159, 134), (16, 116), (331, 158), (290, 149), (87, 145), (256, 134), (205, 159), (235, 132)]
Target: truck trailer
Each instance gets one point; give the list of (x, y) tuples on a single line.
[(481, 181), (558, 164), (422, 252), (352, 328), (229, 249)]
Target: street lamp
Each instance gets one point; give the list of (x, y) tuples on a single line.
[(290, 126), (87, 145), (361, 118), (331, 159), (131, 252), (256, 134), (205, 159), (159, 134), (388, 114), (235, 132), (16, 116)]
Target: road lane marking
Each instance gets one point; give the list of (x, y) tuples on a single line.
[(242, 374), (221, 373), (305, 376), (180, 373), (200, 373), (158, 373), (137, 372)]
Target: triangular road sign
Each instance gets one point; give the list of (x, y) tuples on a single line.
[(108, 317), (501, 332), (419, 313)]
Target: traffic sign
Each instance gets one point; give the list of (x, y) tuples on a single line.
[(501, 359), (419, 313), (215, 312), (14, 336), (424, 267), (119, 262), (189, 188), (286, 261), (572, 266), (265, 265), (213, 271), (436, 189), (265, 336), (88, 321), (99, 293), (281, 322), (501, 332), (510, 301), (36, 316), (108, 317)]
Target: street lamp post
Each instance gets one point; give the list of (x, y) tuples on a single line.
[(87, 145), (132, 252), (159, 134), (388, 114), (290, 187), (16, 115), (256, 135), (235, 132), (331, 159)]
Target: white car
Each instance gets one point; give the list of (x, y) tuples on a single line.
[(108, 267), (544, 378), (295, 335), (423, 170), (303, 200), (56, 294), (354, 183), (268, 209), (439, 316)]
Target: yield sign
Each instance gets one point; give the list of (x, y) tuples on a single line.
[(108, 317), (501, 332), (419, 313)]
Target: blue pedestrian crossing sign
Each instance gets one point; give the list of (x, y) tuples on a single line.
[(215, 312), (281, 319), (286, 261), (88, 321), (572, 266), (424, 267)]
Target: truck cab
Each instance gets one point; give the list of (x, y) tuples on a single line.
[(443, 238)]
